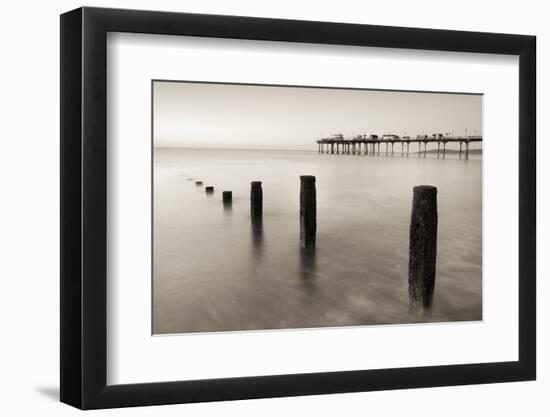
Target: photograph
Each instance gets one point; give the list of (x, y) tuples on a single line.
[(300, 207)]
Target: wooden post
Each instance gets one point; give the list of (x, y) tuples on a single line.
[(227, 198), (438, 146), (308, 211), (392, 148), (467, 153), (425, 148), (198, 183), (419, 149), (460, 151), (332, 148), (408, 143), (209, 189), (256, 201), (422, 247)]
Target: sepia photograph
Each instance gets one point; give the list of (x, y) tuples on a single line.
[(298, 207)]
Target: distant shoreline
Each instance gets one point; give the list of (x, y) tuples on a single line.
[(237, 149), (430, 151)]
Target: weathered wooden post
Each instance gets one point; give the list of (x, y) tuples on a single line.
[(198, 183), (209, 189), (422, 247), (308, 211), (256, 201), (227, 198)]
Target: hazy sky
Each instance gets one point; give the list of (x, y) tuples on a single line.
[(252, 116)]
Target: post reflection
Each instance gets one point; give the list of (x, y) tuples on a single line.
[(308, 267), (227, 206), (257, 237)]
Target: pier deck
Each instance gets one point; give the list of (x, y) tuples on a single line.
[(369, 146)]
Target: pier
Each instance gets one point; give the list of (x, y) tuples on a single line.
[(370, 145)]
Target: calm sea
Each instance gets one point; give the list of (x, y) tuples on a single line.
[(214, 272)]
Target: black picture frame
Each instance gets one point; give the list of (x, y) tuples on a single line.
[(84, 207)]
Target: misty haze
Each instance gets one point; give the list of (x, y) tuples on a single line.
[(297, 207)]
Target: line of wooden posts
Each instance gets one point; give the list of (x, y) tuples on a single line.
[(422, 233)]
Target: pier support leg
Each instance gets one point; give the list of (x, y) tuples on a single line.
[(256, 201), (209, 189), (408, 143), (419, 149), (444, 146), (308, 211), (438, 146), (467, 153), (392, 149), (332, 148), (422, 247), (460, 151), (425, 148), (386, 148), (402, 145)]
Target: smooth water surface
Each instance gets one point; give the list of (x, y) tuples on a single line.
[(214, 272)]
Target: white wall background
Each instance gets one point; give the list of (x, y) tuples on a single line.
[(29, 226)]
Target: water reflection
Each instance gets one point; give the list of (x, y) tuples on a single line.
[(227, 206), (308, 264), (257, 236)]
